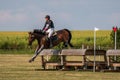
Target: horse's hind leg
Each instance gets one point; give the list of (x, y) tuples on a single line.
[(65, 44), (70, 45)]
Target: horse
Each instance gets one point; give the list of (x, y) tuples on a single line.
[(63, 35)]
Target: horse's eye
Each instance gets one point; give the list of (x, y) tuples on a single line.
[(32, 36)]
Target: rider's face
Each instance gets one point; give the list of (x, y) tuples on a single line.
[(46, 19)]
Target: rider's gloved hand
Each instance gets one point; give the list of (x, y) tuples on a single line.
[(43, 31)]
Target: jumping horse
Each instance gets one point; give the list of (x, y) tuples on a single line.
[(63, 35)]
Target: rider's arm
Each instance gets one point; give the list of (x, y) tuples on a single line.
[(47, 26), (44, 27)]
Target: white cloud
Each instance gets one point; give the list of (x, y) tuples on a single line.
[(8, 16)]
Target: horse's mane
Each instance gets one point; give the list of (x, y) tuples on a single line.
[(39, 32)]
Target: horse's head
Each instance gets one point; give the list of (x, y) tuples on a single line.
[(31, 38)]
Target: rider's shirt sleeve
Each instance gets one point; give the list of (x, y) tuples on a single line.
[(44, 26), (50, 24)]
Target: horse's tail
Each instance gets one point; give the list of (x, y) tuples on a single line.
[(70, 37)]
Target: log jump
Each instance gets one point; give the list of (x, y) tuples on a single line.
[(77, 58)]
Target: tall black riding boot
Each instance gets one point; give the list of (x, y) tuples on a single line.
[(50, 42)]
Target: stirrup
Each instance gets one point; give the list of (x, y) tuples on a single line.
[(50, 42), (47, 38)]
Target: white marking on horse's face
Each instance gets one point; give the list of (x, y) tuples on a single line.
[(31, 39), (32, 36)]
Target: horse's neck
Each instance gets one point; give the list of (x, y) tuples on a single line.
[(40, 38)]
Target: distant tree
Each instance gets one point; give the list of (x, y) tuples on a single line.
[(118, 37)]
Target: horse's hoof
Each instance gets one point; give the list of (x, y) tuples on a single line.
[(31, 60)]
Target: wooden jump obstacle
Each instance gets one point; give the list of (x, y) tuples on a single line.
[(50, 52), (63, 54), (73, 52), (110, 54), (100, 64)]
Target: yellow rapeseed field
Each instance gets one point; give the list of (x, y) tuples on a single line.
[(78, 38)]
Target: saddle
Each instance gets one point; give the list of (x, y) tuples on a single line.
[(55, 33), (39, 31), (54, 36)]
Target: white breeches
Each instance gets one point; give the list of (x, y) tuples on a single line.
[(50, 32)]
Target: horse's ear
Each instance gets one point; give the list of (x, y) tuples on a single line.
[(29, 32)]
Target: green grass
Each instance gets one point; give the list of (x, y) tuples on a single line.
[(14, 51), (16, 67)]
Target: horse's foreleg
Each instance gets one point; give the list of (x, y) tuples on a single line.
[(38, 50), (32, 59)]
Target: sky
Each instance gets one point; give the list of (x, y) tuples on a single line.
[(26, 15)]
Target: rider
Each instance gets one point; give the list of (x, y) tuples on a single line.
[(48, 28)]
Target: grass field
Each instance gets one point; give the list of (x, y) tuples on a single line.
[(16, 67)]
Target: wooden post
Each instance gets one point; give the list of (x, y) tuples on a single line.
[(62, 61), (88, 47), (83, 46), (99, 47), (43, 63), (84, 62), (108, 61), (105, 58), (47, 60)]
